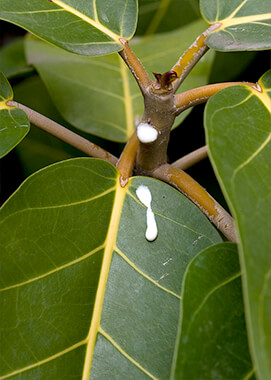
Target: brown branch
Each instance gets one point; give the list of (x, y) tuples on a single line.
[(198, 195), (65, 134), (191, 158), (127, 159), (135, 66), (200, 95), (191, 56)]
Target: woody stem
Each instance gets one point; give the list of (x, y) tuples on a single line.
[(198, 195), (200, 95), (191, 56), (127, 159), (65, 134)]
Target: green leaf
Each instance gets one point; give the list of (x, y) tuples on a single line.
[(14, 124), (104, 86), (238, 127), (81, 286), (39, 149), (244, 24), (159, 16), (213, 340), (12, 59), (87, 28)]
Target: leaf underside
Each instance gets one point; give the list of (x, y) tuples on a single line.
[(156, 16), (14, 124), (88, 28), (71, 232), (12, 59), (213, 341), (104, 86), (245, 24), (238, 127), (45, 148)]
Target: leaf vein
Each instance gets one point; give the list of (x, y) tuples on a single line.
[(171, 220), (158, 16), (122, 18), (95, 23), (208, 295), (120, 253), (127, 99), (127, 356), (44, 361), (64, 266)]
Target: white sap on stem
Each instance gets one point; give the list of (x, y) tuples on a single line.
[(146, 133), (144, 195)]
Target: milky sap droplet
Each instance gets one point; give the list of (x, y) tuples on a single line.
[(144, 195), (146, 133)]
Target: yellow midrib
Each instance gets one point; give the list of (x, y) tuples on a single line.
[(242, 20), (156, 20), (4, 106), (128, 105), (262, 95), (109, 247), (265, 99), (96, 23)]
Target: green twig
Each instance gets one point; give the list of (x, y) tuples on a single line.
[(191, 158), (198, 195), (65, 134)]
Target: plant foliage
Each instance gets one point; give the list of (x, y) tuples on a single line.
[(84, 294)]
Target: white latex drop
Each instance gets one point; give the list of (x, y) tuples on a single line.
[(144, 195), (146, 133)]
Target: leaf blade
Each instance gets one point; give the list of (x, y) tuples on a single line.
[(72, 26), (244, 25), (12, 59), (75, 241), (14, 124), (244, 179), (162, 16), (213, 307)]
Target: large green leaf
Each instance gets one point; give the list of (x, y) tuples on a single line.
[(91, 27), (12, 59), (39, 149), (213, 341), (14, 123), (156, 16), (81, 286), (238, 127), (245, 24), (100, 95)]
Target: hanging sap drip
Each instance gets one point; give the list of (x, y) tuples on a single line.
[(144, 195)]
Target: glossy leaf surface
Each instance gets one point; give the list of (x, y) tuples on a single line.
[(70, 234), (159, 16), (12, 59), (14, 123), (238, 127), (84, 27), (245, 24), (100, 95), (213, 341)]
